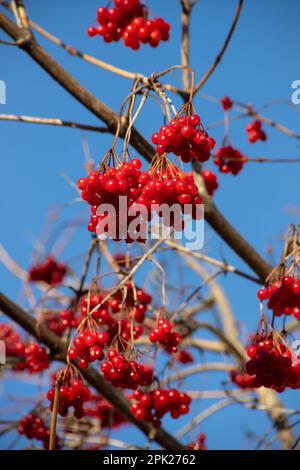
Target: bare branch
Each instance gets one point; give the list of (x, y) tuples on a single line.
[(52, 122)]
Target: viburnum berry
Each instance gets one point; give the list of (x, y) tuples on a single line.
[(73, 393), (211, 181), (123, 373), (152, 406), (200, 444), (129, 20), (49, 271), (37, 358), (271, 364), (242, 380), (87, 347), (226, 103), (145, 192), (283, 296), (255, 132), (164, 335), (34, 427), (186, 138), (184, 357), (229, 160)]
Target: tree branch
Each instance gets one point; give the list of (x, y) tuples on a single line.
[(52, 122)]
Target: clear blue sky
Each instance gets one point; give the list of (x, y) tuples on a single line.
[(258, 67)]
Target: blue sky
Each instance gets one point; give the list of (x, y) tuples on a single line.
[(258, 67)]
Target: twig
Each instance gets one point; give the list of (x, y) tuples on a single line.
[(198, 369), (52, 122), (186, 8)]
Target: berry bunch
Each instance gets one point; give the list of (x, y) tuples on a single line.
[(144, 191), (31, 356), (125, 374), (255, 132), (211, 181), (12, 340), (152, 406), (72, 394), (37, 358), (226, 103), (50, 271), (112, 22), (129, 20), (59, 322), (200, 444), (34, 427), (115, 304), (229, 160), (164, 335), (99, 408), (88, 347), (143, 31), (271, 363), (185, 137), (242, 380), (106, 188), (283, 296)]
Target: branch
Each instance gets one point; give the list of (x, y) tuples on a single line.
[(221, 53), (52, 122), (58, 349), (186, 8)]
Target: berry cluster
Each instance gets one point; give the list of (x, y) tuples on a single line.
[(271, 363), (72, 394), (125, 374), (49, 271), (106, 188), (144, 191), (185, 137), (283, 296), (164, 335), (129, 20), (200, 444), (31, 356), (88, 347), (34, 427), (59, 322), (37, 358), (12, 340), (242, 380), (143, 31), (98, 407), (255, 132), (106, 314), (229, 160), (210, 180), (226, 103), (152, 406)]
